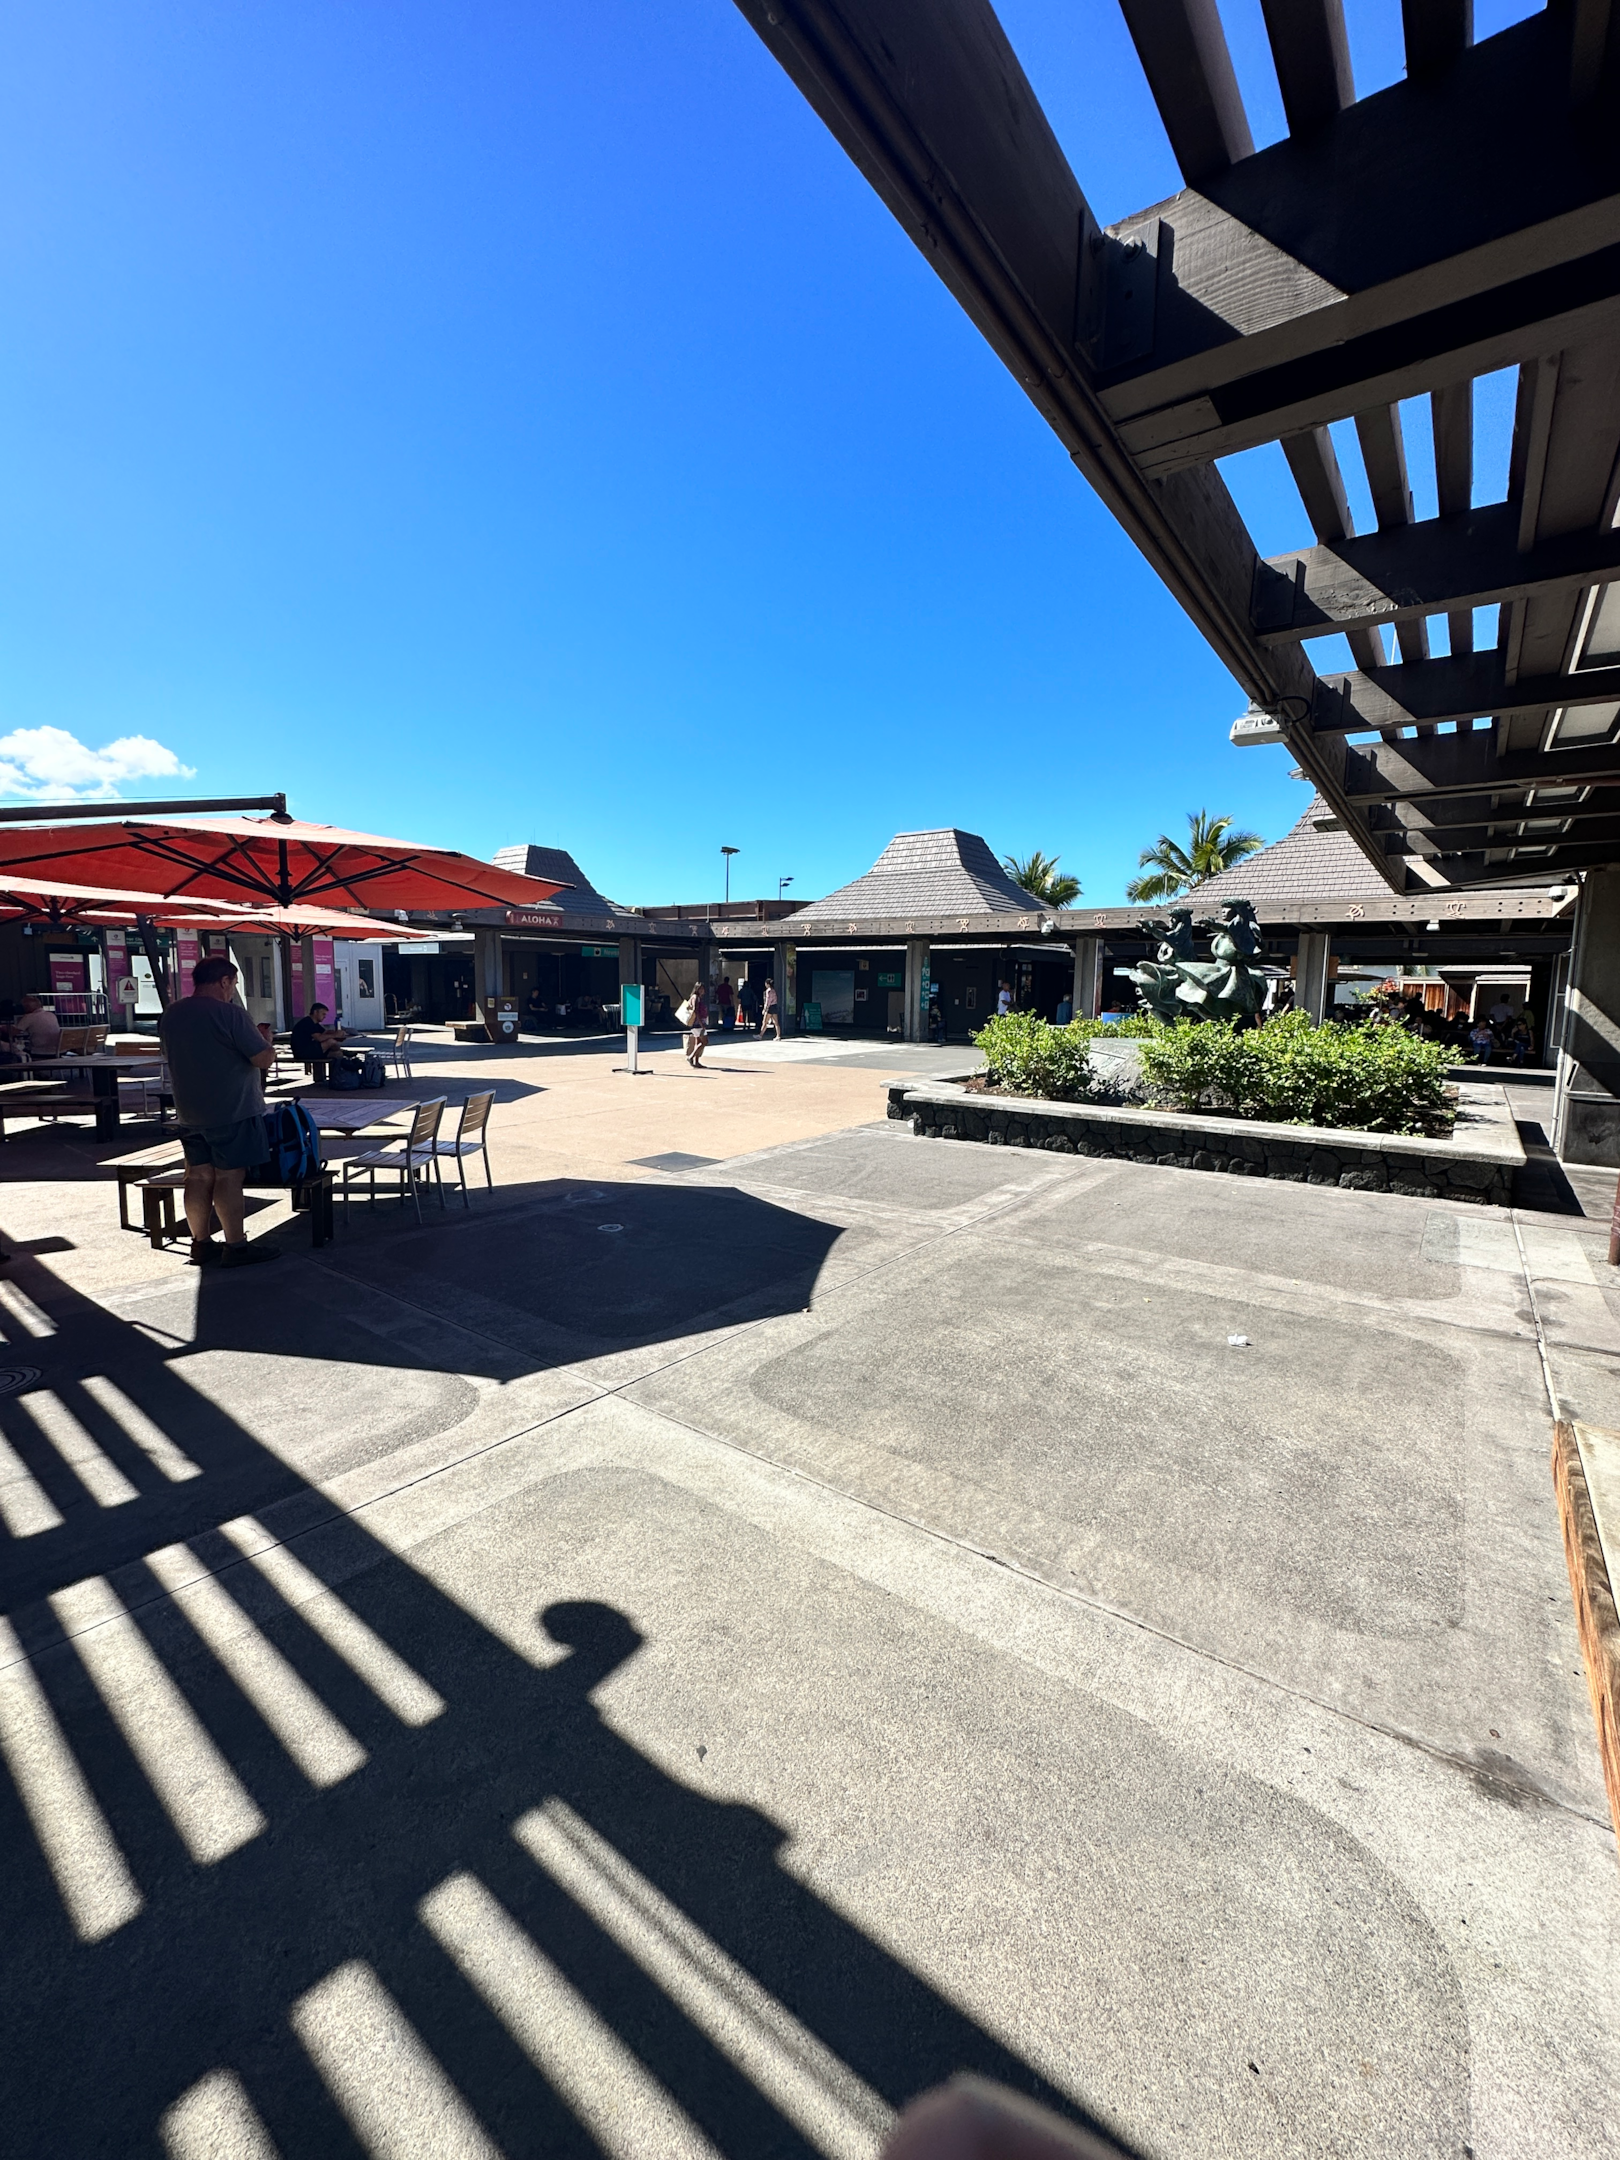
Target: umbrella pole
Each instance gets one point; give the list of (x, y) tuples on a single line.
[(154, 958), (284, 947)]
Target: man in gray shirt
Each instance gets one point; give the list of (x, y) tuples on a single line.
[(215, 1057)]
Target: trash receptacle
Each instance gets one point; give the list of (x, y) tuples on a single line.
[(501, 1019)]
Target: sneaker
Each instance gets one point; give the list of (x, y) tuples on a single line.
[(204, 1253), (245, 1255)]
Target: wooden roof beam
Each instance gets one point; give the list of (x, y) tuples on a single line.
[(1314, 463), (1428, 233), (1570, 851), (1437, 33), (1383, 452), (1595, 34), (1311, 53), (1430, 693), (1451, 416), (1184, 56), (1429, 768), (1445, 565)]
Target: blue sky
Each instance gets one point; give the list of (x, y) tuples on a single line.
[(521, 422)]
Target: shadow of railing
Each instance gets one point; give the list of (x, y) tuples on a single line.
[(303, 1858)]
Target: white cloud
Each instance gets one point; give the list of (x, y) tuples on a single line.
[(44, 762)]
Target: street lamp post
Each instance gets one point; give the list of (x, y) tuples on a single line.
[(728, 852), (782, 885)]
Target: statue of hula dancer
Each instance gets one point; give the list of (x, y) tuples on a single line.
[(1158, 981), (1227, 986), (1235, 984)]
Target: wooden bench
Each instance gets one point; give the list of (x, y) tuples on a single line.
[(139, 1169), (42, 1102), (164, 1224)]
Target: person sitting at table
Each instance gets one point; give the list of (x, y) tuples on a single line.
[(36, 1030), (313, 1042)]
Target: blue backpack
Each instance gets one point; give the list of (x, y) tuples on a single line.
[(292, 1144)]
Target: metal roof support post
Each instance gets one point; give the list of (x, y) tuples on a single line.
[(1087, 976), (1586, 1106), (1311, 977), (917, 990)]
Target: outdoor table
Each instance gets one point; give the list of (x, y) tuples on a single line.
[(343, 1114), (103, 1071)]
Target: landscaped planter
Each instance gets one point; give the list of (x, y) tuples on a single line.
[(1477, 1163)]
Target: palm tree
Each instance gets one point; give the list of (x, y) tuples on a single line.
[(1211, 847), (1041, 878)]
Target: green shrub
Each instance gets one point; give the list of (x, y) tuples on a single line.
[(1029, 1056), (1368, 1078)]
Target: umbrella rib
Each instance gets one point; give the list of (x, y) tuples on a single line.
[(220, 866)]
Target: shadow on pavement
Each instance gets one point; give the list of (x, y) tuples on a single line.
[(309, 1855)]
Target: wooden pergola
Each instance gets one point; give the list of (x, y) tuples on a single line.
[(1400, 245)]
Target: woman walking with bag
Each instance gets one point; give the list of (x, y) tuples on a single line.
[(694, 1018)]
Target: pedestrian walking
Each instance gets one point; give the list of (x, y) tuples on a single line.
[(747, 1002), (694, 1019), (769, 1019), (725, 999)]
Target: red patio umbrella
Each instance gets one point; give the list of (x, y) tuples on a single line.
[(54, 904), (269, 862)]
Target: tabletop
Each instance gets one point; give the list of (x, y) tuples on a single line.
[(124, 1061), (343, 1114)]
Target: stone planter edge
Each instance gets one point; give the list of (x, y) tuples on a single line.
[(1476, 1164)]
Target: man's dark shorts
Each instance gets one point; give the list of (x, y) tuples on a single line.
[(227, 1147)]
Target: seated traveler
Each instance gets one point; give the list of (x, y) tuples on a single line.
[(216, 1058), (36, 1030), (312, 1041)]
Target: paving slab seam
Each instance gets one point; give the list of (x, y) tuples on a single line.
[(1017, 1568), (600, 1391), (1541, 1333), (1114, 1612)]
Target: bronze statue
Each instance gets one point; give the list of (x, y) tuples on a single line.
[(1230, 985)]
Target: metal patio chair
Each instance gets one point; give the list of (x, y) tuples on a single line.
[(470, 1140), (413, 1162), (401, 1052)]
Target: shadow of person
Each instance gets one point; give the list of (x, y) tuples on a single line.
[(300, 1850)]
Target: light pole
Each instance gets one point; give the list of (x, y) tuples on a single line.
[(728, 852), (782, 885)]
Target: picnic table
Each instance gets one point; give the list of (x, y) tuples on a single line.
[(104, 1070), (347, 1114)]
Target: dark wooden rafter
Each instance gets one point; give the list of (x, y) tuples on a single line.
[(1314, 463), (1451, 564), (1451, 416), (1437, 33), (1184, 56), (1464, 220), (1436, 767), (1383, 453), (1433, 693), (1426, 235), (1311, 52), (1594, 40)]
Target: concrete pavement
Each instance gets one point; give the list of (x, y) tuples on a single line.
[(677, 1661)]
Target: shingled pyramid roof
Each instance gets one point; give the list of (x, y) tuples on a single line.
[(925, 873), (557, 867), (1304, 864)]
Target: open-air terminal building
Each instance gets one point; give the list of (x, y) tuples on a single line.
[(1389, 248)]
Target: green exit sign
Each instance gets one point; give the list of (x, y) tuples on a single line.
[(891, 982), (599, 952)]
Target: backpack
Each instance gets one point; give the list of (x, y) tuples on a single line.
[(373, 1072), (343, 1077), (292, 1144)]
